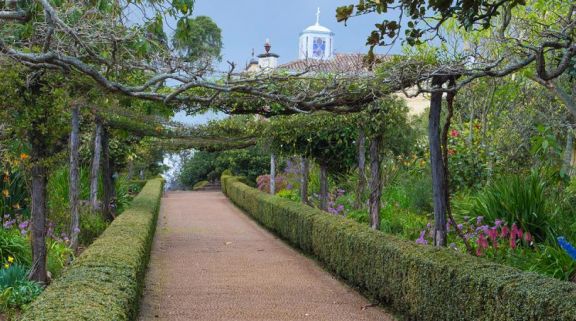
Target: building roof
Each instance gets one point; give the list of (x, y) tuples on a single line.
[(340, 63), (317, 28)]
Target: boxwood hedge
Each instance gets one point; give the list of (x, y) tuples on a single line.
[(421, 283), (104, 283)]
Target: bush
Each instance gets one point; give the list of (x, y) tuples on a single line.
[(15, 288), (105, 282), (200, 185), (13, 244), (423, 283), (92, 225), (515, 199)]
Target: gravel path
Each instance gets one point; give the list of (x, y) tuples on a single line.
[(211, 262)]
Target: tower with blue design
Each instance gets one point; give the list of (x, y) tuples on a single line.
[(316, 42)]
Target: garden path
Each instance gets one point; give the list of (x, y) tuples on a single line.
[(212, 262)]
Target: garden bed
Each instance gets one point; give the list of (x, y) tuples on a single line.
[(105, 282), (422, 283)]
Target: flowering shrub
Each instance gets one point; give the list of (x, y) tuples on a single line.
[(485, 239), (333, 206), (263, 183)]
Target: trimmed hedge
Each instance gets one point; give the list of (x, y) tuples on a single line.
[(105, 282), (420, 282)]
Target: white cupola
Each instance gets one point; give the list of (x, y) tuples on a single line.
[(316, 42)]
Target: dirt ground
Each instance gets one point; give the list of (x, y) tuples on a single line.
[(212, 262)]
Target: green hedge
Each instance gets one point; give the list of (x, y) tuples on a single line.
[(422, 283), (105, 282)]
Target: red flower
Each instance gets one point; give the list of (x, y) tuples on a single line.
[(454, 133), (505, 231), (451, 152)]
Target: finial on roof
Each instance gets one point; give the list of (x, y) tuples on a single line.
[(267, 46), (253, 53), (318, 17)]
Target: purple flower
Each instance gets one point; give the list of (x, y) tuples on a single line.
[(289, 186), (8, 224), (421, 240), (498, 223), (460, 227), (479, 220), (76, 230), (23, 225)]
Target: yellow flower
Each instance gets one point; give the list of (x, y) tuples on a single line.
[(6, 265), (16, 206), (10, 259), (24, 156), (6, 193)]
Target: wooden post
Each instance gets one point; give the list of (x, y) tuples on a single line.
[(305, 164), (361, 148), (95, 166), (324, 186), (272, 174), (375, 182), (437, 164), (74, 190)]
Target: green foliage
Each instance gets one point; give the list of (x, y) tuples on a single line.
[(198, 38), (250, 162), (423, 283), (325, 138), (15, 288), (92, 226), (515, 199), (107, 278), (13, 244), (290, 194), (200, 185), (13, 194)]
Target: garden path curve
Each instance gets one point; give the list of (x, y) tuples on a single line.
[(211, 262)]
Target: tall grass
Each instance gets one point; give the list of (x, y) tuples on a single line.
[(515, 199)]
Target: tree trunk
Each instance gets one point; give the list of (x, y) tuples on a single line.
[(304, 180), (95, 166), (361, 144), (375, 182), (273, 174), (437, 164), (568, 150), (39, 173), (107, 179), (74, 190), (323, 187)]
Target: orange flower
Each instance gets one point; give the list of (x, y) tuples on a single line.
[(6, 193), (24, 156)]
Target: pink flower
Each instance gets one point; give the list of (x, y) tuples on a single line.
[(482, 241), (493, 235), (505, 231), (454, 133), (528, 238)]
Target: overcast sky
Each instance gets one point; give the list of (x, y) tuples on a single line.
[(246, 24)]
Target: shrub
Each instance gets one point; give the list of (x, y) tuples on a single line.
[(105, 282), (515, 199), (200, 185), (13, 244), (15, 288), (423, 283), (92, 225)]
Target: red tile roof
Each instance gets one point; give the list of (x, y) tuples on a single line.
[(341, 63)]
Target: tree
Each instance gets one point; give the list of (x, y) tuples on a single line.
[(324, 138), (552, 53)]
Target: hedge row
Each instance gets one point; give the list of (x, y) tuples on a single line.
[(422, 283), (105, 282)]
